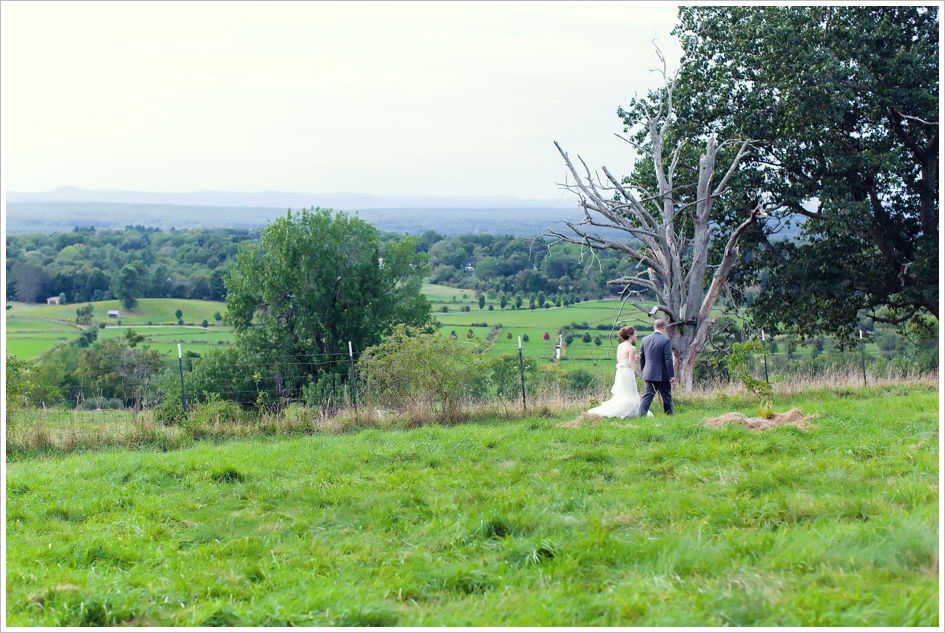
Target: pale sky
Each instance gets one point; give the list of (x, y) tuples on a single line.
[(434, 99)]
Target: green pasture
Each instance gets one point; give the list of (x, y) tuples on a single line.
[(436, 293), (33, 345), (158, 311), (24, 325), (663, 522)]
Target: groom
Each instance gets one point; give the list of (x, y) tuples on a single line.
[(656, 368)]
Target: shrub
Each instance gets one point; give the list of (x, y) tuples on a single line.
[(579, 380), (586, 338), (737, 362), (204, 323), (213, 410), (418, 367)]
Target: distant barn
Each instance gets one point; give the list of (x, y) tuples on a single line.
[(114, 314), (52, 301)]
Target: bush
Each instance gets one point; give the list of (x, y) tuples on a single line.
[(579, 380), (204, 323), (418, 367), (213, 410), (586, 338), (94, 404), (328, 392)]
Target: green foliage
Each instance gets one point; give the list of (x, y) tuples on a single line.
[(130, 283), (19, 387), (315, 283), (114, 369), (737, 363), (83, 314), (804, 82), (327, 392), (417, 367), (504, 374)]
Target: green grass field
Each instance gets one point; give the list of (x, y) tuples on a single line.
[(157, 311), (666, 522), (34, 329)]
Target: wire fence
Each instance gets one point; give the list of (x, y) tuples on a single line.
[(293, 392)]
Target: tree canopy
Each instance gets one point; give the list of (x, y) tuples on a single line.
[(841, 106), (316, 281)]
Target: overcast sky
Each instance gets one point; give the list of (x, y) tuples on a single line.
[(435, 99)]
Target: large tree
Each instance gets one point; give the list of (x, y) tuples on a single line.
[(842, 106), (316, 281), (674, 212)]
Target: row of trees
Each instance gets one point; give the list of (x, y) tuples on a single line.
[(92, 265)]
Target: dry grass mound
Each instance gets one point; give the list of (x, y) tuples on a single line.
[(590, 418), (794, 417)]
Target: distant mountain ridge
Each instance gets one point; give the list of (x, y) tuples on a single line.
[(285, 200)]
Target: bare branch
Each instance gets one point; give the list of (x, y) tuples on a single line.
[(914, 118)]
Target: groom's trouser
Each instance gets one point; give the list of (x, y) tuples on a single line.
[(666, 394)]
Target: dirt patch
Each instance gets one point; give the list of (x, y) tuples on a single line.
[(794, 417)]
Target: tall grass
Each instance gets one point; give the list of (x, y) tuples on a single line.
[(59, 430), (495, 522)]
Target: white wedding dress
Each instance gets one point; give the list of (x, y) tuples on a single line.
[(626, 400)]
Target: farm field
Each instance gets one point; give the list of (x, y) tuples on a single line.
[(34, 329), (492, 523), (157, 311)]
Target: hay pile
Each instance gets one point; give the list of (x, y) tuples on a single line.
[(578, 421), (794, 417)]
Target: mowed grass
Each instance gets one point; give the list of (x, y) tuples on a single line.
[(666, 522), (153, 310)]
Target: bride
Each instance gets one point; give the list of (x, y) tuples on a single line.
[(626, 400)]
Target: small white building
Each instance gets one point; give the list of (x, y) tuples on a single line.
[(114, 314), (52, 301)]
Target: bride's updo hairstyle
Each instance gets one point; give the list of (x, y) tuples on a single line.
[(626, 332)]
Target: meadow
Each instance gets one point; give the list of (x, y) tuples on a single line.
[(34, 329), (515, 522)]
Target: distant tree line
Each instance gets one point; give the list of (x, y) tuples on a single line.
[(145, 262), (512, 268), (95, 265)]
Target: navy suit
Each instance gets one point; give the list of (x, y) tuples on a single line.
[(656, 373)]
